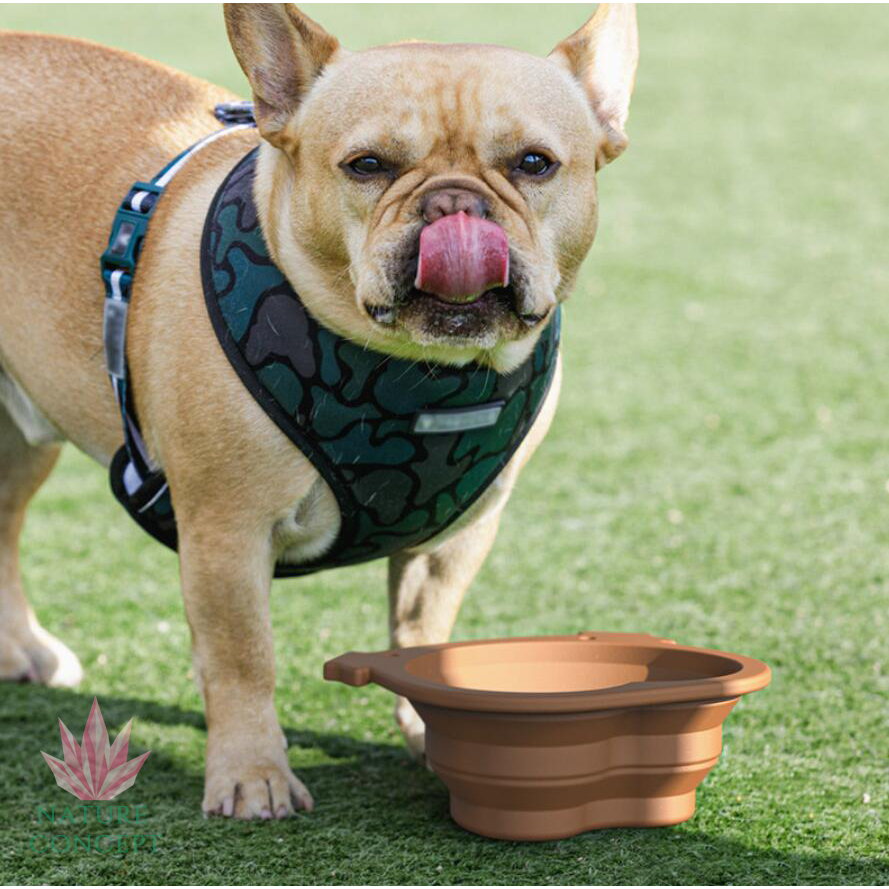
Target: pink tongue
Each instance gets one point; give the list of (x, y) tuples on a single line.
[(461, 257)]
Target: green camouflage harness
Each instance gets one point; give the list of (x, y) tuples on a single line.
[(405, 447)]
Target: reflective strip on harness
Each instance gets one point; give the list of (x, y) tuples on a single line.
[(479, 417), (114, 333)]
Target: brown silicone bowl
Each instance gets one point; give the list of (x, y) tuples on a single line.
[(545, 737)]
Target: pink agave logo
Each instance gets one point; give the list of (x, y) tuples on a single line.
[(96, 769)]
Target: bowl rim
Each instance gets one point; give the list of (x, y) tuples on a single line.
[(389, 669)]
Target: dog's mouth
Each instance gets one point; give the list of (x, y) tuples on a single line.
[(460, 283), (492, 316), (469, 320), (491, 302)]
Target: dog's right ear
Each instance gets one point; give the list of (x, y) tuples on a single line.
[(281, 50)]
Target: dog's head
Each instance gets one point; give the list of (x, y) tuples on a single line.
[(433, 201)]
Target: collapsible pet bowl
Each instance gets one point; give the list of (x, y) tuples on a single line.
[(545, 737)]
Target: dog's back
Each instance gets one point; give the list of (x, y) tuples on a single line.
[(81, 123)]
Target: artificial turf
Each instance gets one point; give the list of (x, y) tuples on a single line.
[(717, 473)]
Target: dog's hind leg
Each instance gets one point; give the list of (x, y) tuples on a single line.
[(27, 651)]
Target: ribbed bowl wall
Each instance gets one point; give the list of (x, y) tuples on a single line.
[(526, 776)]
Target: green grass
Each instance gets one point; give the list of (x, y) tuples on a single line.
[(717, 473)]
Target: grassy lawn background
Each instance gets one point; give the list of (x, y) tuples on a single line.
[(717, 473)]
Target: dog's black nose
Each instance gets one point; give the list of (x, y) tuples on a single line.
[(447, 201)]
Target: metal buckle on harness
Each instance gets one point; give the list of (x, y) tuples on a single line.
[(118, 264), (129, 227), (234, 112)]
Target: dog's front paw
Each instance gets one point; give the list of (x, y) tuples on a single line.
[(33, 655), (246, 780)]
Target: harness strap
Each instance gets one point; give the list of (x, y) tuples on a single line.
[(118, 265)]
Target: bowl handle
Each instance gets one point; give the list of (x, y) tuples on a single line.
[(352, 668)]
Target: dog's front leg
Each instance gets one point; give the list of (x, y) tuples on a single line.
[(226, 574), (425, 593)]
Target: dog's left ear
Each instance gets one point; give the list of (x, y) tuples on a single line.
[(281, 50), (603, 55)]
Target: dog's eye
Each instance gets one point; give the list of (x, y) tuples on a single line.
[(534, 164), (367, 165)]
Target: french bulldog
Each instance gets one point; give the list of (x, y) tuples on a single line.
[(360, 155)]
